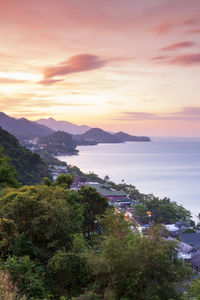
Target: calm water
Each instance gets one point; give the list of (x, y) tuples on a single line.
[(164, 167)]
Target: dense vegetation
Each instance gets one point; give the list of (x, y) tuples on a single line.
[(30, 168), (56, 243), (162, 211), (59, 142)]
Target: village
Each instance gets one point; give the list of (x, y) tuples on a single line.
[(187, 238)]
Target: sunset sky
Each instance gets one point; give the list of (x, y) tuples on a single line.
[(131, 65)]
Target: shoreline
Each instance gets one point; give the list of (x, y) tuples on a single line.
[(171, 173)]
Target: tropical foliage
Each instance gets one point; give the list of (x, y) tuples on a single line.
[(30, 168)]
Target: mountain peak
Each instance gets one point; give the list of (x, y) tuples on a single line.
[(63, 126), (22, 128)]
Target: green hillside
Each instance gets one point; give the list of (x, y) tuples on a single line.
[(30, 168), (59, 142)]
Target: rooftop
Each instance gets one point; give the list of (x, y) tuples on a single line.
[(191, 239), (106, 190)]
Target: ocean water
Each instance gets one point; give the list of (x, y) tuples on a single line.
[(164, 167)]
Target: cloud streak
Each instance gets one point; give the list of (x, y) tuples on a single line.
[(75, 64), (17, 104), (12, 81), (184, 60), (164, 27), (186, 114), (167, 26), (178, 45)]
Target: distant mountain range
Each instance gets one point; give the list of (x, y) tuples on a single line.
[(63, 126), (100, 136), (125, 137), (83, 135), (23, 128)]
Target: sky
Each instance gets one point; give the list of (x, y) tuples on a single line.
[(131, 65)]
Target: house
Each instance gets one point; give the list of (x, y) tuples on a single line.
[(195, 261), (116, 198), (192, 239), (106, 191), (172, 228), (185, 251)]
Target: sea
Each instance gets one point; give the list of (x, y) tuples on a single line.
[(165, 167)]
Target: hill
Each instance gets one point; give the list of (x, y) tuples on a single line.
[(63, 126), (59, 143), (125, 137), (23, 128), (99, 136), (30, 168)]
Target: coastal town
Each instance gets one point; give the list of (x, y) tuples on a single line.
[(186, 236)]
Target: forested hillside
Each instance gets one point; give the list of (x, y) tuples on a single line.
[(30, 168), (59, 142), (56, 243), (65, 245)]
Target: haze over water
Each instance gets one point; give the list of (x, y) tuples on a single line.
[(165, 167)]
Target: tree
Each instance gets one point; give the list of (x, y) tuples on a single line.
[(7, 290), (36, 222), (127, 266), (163, 211), (8, 174), (106, 178), (64, 180), (193, 292), (69, 268), (94, 204), (140, 212)]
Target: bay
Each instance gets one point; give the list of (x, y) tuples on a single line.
[(165, 167)]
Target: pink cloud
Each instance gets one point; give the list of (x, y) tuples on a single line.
[(193, 31), (159, 57), (189, 59), (168, 25), (49, 81), (186, 59), (178, 45), (76, 63), (164, 27), (185, 114), (189, 22)]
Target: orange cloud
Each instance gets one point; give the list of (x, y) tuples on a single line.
[(49, 81), (76, 63), (11, 81)]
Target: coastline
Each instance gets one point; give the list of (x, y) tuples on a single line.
[(165, 168)]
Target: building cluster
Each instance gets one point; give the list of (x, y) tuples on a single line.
[(188, 243), (118, 199), (34, 144), (57, 170)]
